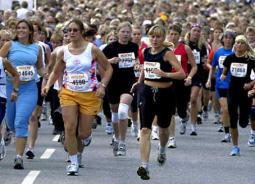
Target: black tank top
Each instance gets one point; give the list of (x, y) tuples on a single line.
[(157, 58)]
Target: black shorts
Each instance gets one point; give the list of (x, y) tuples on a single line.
[(40, 97), (221, 93), (116, 90), (213, 81), (156, 101), (134, 103)]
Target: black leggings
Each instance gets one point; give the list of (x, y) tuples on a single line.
[(182, 99), (156, 101), (238, 98)]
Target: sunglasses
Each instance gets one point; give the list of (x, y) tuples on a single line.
[(73, 30)]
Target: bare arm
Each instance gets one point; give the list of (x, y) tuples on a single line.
[(58, 69), (5, 49), (192, 61)]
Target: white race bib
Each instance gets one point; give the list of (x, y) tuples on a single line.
[(26, 72), (196, 56), (127, 60), (221, 61), (148, 67), (77, 82), (238, 69), (179, 58)]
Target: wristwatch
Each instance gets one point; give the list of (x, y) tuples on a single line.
[(16, 90)]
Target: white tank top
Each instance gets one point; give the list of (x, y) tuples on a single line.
[(2, 79), (80, 72)]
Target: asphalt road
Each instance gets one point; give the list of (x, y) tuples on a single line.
[(196, 160)]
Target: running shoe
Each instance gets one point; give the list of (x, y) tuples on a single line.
[(134, 130), (108, 128), (154, 135), (172, 143), (122, 150), (29, 154), (199, 119), (86, 142), (8, 138), (115, 146), (72, 169), (205, 115), (251, 141), (2, 149), (161, 159), (193, 133), (227, 138), (235, 151), (18, 163), (183, 127), (143, 173), (221, 129)]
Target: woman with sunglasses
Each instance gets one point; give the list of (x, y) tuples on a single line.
[(26, 56), (156, 96), (80, 96)]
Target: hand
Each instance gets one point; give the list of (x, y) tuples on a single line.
[(208, 84), (222, 77), (45, 90), (100, 91), (251, 93), (188, 81), (247, 86), (114, 60), (14, 96), (159, 72)]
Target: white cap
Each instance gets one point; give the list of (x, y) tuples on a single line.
[(147, 22)]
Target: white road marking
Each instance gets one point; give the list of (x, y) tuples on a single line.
[(55, 138), (30, 178), (47, 154)]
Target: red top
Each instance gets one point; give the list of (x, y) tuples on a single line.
[(181, 55), (140, 52)]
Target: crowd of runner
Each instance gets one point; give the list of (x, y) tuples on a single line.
[(144, 61)]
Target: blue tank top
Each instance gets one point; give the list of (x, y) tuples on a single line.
[(23, 55), (152, 61)]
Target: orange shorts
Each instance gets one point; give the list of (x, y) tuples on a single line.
[(87, 102)]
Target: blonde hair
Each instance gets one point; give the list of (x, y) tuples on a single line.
[(124, 24), (158, 31), (250, 53), (201, 40)]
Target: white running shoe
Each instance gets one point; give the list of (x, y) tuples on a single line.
[(86, 142), (134, 130), (122, 150), (72, 169), (172, 142), (108, 128), (251, 141), (154, 135)]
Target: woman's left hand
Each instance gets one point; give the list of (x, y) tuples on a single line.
[(14, 96), (247, 86), (100, 91)]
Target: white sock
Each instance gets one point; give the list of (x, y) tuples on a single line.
[(73, 159), (193, 127), (18, 156), (121, 142), (145, 164)]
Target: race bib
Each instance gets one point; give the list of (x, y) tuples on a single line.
[(179, 58), (149, 67), (26, 72), (221, 61), (77, 82), (127, 60), (238, 69), (196, 56)]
